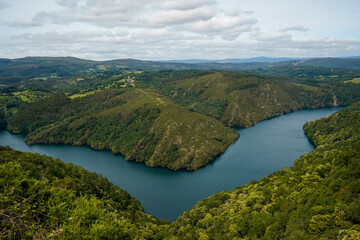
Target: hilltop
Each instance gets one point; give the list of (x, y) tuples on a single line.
[(140, 124)]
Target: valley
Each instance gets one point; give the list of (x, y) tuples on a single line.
[(316, 198), (175, 116), (150, 116)]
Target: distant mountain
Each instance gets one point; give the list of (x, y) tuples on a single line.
[(16, 70), (256, 59), (236, 60), (350, 63), (353, 57)]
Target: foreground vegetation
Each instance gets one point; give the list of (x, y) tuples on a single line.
[(44, 198), (317, 198)]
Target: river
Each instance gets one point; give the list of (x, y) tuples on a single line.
[(262, 149)]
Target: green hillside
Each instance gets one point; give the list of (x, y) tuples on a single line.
[(309, 74), (140, 124), (317, 198), (238, 99), (14, 71)]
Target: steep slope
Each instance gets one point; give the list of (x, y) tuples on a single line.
[(139, 123), (318, 198), (238, 99), (44, 198)]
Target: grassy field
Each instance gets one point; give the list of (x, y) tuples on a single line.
[(355, 80), (79, 95)]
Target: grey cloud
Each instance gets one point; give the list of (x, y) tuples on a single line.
[(236, 12), (271, 37), (67, 3), (228, 27), (149, 29), (175, 17), (295, 28), (309, 47), (104, 13), (3, 4), (59, 37), (185, 5), (38, 20), (99, 19), (146, 36), (105, 45), (129, 13), (162, 37), (103, 5)]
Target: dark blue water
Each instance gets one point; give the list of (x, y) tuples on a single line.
[(262, 149)]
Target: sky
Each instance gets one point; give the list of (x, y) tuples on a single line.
[(178, 29)]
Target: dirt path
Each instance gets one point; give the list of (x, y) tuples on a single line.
[(158, 99)]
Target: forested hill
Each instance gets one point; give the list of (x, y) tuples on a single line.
[(317, 198), (238, 99), (140, 124)]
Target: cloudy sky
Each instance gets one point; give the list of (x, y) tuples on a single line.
[(179, 29)]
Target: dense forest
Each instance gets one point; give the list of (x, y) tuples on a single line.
[(44, 198), (317, 198)]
